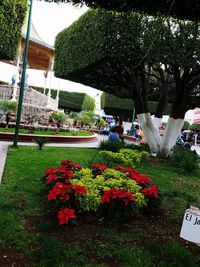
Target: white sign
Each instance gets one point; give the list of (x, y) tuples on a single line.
[(190, 230)]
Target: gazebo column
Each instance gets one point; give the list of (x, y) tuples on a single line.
[(57, 95), (50, 78), (15, 86), (45, 81)]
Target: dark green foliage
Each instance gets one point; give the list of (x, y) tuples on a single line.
[(123, 108), (115, 59), (113, 146), (186, 125), (41, 141), (195, 127), (183, 9), (72, 100), (185, 160), (12, 15)]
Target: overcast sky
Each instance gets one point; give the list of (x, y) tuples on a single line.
[(51, 18)]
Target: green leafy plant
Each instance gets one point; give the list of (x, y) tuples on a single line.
[(195, 127), (41, 141), (185, 160), (113, 146), (59, 117), (128, 157)]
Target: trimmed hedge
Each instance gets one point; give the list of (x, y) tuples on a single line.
[(72, 101), (91, 53), (182, 9), (12, 15), (123, 108), (186, 125), (195, 127)]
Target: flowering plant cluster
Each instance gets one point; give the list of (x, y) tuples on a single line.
[(113, 193)]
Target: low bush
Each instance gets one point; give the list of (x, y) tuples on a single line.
[(41, 141), (116, 194), (185, 160), (125, 156), (113, 146)]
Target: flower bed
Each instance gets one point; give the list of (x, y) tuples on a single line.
[(115, 194)]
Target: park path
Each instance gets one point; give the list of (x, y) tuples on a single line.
[(4, 148)]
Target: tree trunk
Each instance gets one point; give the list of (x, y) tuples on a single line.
[(150, 132), (172, 132)]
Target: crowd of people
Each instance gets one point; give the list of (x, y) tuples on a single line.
[(115, 131)]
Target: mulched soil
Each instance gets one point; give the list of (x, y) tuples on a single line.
[(90, 227), (11, 258)]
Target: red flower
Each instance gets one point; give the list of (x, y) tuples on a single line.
[(130, 171), (79, 190), (65, 162), (50, 171), (62, 168), (151, 191), (141, 178), (99, 166), (67, 174), (117, 193), (58, 189), (52, 177), (65, 215), (106, 197), (119, 168)]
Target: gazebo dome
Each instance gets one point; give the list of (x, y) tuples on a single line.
[(40, 54)]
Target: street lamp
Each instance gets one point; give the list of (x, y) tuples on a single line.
[(22, 83)]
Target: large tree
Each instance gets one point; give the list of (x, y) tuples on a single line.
[(12, 15), (139, 58), (182, 9)]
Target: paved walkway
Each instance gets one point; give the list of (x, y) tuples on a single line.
[(4, 148)]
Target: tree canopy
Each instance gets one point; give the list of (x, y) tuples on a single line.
[(12, 15), (182, 9), (136, 57)]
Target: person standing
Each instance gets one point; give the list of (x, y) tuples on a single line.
[(120, 129)]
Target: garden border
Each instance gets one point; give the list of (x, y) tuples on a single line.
[(51, 138)]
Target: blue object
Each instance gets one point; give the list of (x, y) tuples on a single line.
[(113, 137)]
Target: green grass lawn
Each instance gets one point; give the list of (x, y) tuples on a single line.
[(143, 241), (25, 131)]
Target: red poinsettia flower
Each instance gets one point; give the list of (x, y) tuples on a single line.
[(58, 189), (52, 177), (151, 191), (106, 197), (50, 171), (99, 166), (130, 171), (119, 168), (141, 178), (65, 162), (65, 215), (62, 168), (117, 193), (79, 190), (76, 166), (67, 174)]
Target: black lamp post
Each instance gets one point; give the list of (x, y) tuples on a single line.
[(21, 93)]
